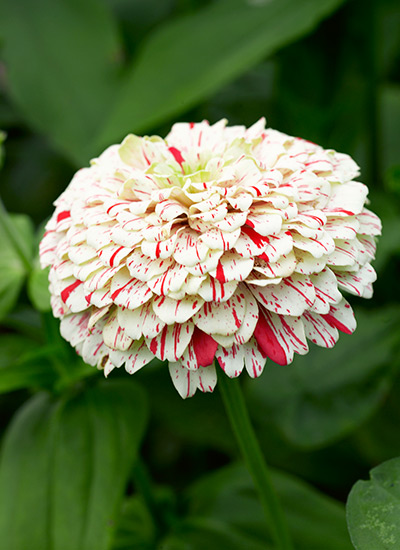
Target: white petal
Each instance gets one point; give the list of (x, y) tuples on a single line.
[(265, 224), (347, 199), (64, 269), (367, 248), (250, 243), (81, 253), (170, 281), (231, 360), (160, 249), (98, 279), (176, 311), (278, 246), (96, 315), (232, 221), (114, 335), (74, 328), (94, 350), (232, 267), (144, 268), (170, 209), (211, 290), (326, 291), (250, 319), (189, 249), (292, 296), (113, 254), (254, 359), (128, 292), (209, 263), (370, 224), (172, 341), (73, 294), (279, 337), (343, 227), (140, 322), (319, 331), (121, 236), (216, 239), (97, 237), (185, 381), (342, 317), (357, 282), (318, 248), (207, 378), (282, 268), (139, 356), (221, 317), (99, 298), (48, 247), (307, 264)]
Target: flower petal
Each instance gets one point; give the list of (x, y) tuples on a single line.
[(172, 341)]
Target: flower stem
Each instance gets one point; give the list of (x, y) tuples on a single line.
[(238, 415)]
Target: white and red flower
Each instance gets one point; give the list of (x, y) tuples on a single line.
[(215, 242)]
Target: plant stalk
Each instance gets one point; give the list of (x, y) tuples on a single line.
[(238, 415)]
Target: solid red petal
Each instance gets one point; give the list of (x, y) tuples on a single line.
[(268, 342), (204, 347)]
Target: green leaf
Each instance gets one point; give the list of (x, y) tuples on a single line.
[(192, 534), (188, 59), (327, 393), (62, 64), (135, 529), (373, 509), (227, 501), (38, 288), (65, 465), (390, 106), (16, 237), (23, 364), (2, 138)]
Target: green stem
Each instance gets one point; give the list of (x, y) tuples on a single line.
[(240, 421)]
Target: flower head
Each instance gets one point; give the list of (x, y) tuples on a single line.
[(215, 242)]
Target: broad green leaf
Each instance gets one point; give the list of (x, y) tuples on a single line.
[(38, 287), (228, 503), (186, 60), (62, 60), (16, 237), (390, 108), (327, 393), (373, 509), (65, 465), (136, 529), (24, 364), (192, 534), (38, 282)]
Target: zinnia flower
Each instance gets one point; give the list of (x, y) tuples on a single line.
[(215, 242)]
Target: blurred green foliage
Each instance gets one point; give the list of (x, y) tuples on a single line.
[(76, 76)]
